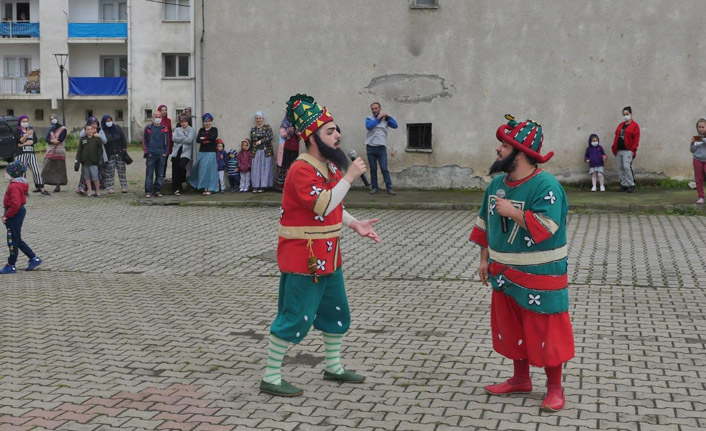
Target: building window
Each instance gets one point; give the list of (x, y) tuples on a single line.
[(39, 114), (178, 114), (10, 112), (148, 114), (15, 11), (118, 115), (419, 137), (113, 10), (114, 66), (18, 67), (176, 10), (89, 114), (424, 4), (176, 65)]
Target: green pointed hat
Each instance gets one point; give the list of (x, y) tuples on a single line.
[(306, 115)]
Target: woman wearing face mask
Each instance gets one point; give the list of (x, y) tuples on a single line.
[(115, 147), (81, 189), (26, 138), (54, 169), (627, 139)]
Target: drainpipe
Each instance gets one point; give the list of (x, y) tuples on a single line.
[(201, 43), (129, 70)]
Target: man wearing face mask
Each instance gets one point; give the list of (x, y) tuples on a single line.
[(521, 229), (311, 289), (627, 139), (155, 144)]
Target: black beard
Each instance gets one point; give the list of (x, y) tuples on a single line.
[(506, 165), (334, 155)]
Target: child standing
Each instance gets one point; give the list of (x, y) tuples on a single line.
[(233, 173), (90, 155), (698, 149), (244, 164), (13, 203), (595, 157), (221, 157)]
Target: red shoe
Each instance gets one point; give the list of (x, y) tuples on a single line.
[(554, 401), (506, 387)]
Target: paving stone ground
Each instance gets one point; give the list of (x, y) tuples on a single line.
[(157, 317)]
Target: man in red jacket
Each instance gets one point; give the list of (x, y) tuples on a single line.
[(627, 139), (14, 215)]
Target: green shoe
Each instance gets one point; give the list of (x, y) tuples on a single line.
[(345, 377), (282, 390)]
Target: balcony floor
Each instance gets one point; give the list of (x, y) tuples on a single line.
[(19, 40), (84, 40)]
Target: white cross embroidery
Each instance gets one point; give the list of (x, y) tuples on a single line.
[(500, 281), (550, 197), (320, 265), (491, 210), (534, 299), (333, 167), (316, 191), (281, 212), (319, 174), (319, 218), (329, 244), (530, 241)]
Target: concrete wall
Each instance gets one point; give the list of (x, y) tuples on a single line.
[(151, 37), (571, 66)]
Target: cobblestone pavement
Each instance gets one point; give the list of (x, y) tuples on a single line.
[(157, 317)]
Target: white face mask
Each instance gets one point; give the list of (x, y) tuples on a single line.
[(54, 121), (594, 143), (108, 124), (24, 124), (158, 121), (627, 117)]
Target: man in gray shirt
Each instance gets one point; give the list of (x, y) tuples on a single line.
[(376, 146)]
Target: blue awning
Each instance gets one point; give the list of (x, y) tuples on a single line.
[(98, 29), (98, 86)]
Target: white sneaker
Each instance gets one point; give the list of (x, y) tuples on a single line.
[(593, 189), (602, 188)]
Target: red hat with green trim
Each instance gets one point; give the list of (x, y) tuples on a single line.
[(306, 115), (526, 137)]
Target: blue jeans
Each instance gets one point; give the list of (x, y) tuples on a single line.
[(155, 168), (14, 237), (378, 154)]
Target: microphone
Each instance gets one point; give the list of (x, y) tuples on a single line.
[(503, 220), (354, 156)]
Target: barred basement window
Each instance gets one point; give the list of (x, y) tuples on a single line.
[(89, 113), (148, 114), (424, 4), (419, 137), (118, 115), (10, 112), (39, 114)]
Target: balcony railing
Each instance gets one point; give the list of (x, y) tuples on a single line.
[(97, 86), (98, 30), (19, 29), (18, 86)]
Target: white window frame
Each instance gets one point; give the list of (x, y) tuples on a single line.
[(176, 65), (116, 64), (182, 11), (116, 10), (17, 73), (15, 15)]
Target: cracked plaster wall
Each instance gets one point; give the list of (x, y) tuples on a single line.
[(571, 66)]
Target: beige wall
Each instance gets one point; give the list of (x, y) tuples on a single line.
[(570, 65)]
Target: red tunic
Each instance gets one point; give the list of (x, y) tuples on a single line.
[(304, 230)]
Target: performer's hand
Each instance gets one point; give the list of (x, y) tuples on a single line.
[(483, 272), (364, 228), (355, 170), (505, 207)]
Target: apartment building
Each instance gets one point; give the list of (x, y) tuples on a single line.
[(120, 57)]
